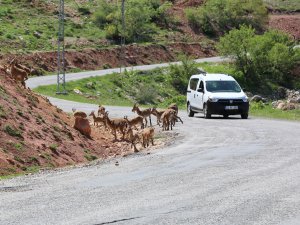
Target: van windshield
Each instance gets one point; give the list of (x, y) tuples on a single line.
[(222, 86)]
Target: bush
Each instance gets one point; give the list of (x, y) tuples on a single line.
[(146, 95), (219, 16), (13, 131), (180, 74), (140, 16), (260, 58)]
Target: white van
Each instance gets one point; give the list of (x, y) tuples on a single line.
[(216, 94)]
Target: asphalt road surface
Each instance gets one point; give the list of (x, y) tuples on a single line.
[(47, 80), (217, 171)]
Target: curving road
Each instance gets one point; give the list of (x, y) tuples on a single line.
[(217, 171), (47, 80)]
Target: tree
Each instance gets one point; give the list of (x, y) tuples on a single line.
[(260, 57)]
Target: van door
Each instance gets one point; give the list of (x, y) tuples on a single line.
[(199, 96), (192, 91)]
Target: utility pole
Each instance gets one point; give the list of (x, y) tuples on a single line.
[(123, 36), (61, 79)]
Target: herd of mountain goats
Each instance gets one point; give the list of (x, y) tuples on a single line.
[(135, 130)]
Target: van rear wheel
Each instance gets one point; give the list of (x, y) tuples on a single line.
[(190, 111), (244, 116)]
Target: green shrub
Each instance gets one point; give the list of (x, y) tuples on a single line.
[(260, 58), (12, 131), (180, 74), (219, 16), (147, 94)]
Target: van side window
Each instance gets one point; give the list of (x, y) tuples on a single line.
[(193, 83)]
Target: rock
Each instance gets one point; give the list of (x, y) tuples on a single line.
[(256, 98), (77, 91), (90, 85), (276, 103), (289, 106), (281, 105), (37, 34), (281, 93), (294, 100)]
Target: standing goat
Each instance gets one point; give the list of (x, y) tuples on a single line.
[(147, 136), (116, 124), (101, 110), (135, 121), (167, 119), (18, 74), (134, 137), (144, 113), (158, 114), (97, 120)]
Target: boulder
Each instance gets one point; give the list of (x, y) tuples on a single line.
[(281, 105), (289, 106), (256, 98)]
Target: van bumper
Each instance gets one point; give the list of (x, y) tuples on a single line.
[(222, 108)]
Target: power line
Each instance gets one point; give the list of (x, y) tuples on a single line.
[(61, 75)]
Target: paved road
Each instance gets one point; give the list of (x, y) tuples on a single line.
[(218, 171), (47, 80)]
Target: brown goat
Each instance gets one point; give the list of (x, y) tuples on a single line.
[(144, 113), (147, 136), (174, 106), (18, 74), (83, 126), (167, 119), (158, 114), (134, 137), (101, 110), (135, 121), (97, 120), (116, 124)]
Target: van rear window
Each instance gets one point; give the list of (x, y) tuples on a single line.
[(193, 83), (222, 86)]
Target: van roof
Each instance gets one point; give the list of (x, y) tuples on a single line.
[(213, 76)]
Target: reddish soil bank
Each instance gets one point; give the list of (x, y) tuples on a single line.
[(36, 134), (287, 23), (91, 59)]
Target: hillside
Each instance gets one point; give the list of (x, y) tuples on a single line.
[(35, 134), (28, 31)]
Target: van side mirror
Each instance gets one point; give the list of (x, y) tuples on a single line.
[(244, 89), (200, 90)]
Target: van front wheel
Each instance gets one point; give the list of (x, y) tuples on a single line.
[(206, 114), (190, 111)]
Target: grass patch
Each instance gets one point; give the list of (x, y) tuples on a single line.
[(12, 131), (260, 110), (284, 5)]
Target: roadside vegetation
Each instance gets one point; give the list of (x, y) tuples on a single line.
[(217, 17), (159, 87), (262, 62)]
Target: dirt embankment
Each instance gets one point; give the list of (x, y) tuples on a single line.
[(91, 59), (287, 23), (35, 134)]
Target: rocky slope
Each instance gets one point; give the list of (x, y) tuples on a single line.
[(35, 134)]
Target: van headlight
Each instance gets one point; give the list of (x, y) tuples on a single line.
[(245, 99), (212, 99)]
